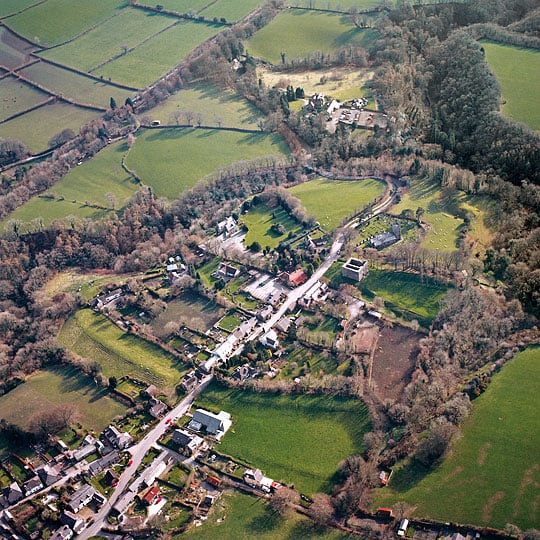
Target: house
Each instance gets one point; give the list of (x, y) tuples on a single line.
[(187, 442), (253, 477), (81, 497), (111, 478), (265, 313), (49, 475), (245, 328), (334, 106), (294, 279), (355, 269), (73, 521), (387, 238), (123, 502), (226, 271), (32, 486), (151, 391), (148, 496), (116, 438), (11, 494), (214, 424), (157, 408), (83, 452), (172, 268), (101, 464), (103, 299), (270, 339), (244, 372), (283, 324), (189, 381), (227, 227), (63, 533)]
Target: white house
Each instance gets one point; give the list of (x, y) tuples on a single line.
[(270, 339), (227, 227)]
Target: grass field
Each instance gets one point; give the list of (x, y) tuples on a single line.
[(11, 53), (496, 462), (259, 221), (17, 96), (174, 160), (36, 128), (50, 388), (332, 200), (180, 6), (74, 86), (237, 516), (93, 336), (159, 54), (8, 7), (212, 103), (517, 71), (55, 21), (339, 5), (304, 437), (89, 182), (231, 10), (298, 33)]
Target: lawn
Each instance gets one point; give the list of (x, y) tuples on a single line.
[(74, 86), (382, 223), (212, 104), (298, 33), (237, 516), (259, 221), (53, 387), (496, 462), (517, 71), (18, 96), (36, 128), (231, 10), (304, 437), (332, 200), (55, 21), (230, 321), (174, 160), (93, 336), (90, 181), (159, 54)]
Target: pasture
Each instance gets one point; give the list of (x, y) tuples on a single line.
[(298, 33), (10, 7), (74, 86), (159, 54), (13, 50), (332, 200), (517, 71), (55, 21), (231, 10), (237, 516), (93, 336), (212, 104), (36, 128), (259, 221), (180, 6), (53, 387), (304, 437), (18, 96), (339, 5), (496, 461), (174, 160)]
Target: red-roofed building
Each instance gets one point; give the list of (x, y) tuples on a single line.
[(294, 279), (150, 495)]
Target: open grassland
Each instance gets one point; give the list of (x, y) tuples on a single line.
[(93, 336), (13, 50), (174, 160), (406, 294), (50, 388), (159, 54), (17, 96), (212, 104), (36, 128), (304, 437), (90, 181), (342, 83), (298, 33), (332, 200), (259, 221), (78, 87), (237, 516), (9, 7), (55, 21), (180, 6), (231, 10), (128, 28), (496, 462), (517, 71), (339, 5)]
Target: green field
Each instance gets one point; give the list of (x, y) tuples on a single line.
[(212, 104), (55, 21), (12, 49), (259, 221), (78, 87), (312, 32), (339, 5), (231, 10), (8, 7), (36, 128), (237, 516), (90, 182), (174, 160), (496, 462), (158, 55), (297, 439), (17, 96), (50, 388), (180, 6), (93, 336), (332, 200), (517, 71)]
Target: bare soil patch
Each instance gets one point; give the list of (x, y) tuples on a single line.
[(483, 453), (488, 507), (393, 360)]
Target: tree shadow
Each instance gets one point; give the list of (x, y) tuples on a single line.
[(265, 522), (410, 475), (307, 530)]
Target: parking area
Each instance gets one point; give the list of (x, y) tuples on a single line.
[(267, 289)]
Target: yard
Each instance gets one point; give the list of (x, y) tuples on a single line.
[(53, 387), (496, 461), (298, 33), (279, 433), (174, 160), (332, 200)]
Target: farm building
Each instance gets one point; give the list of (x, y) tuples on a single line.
[(214, 424), (355, 269)]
